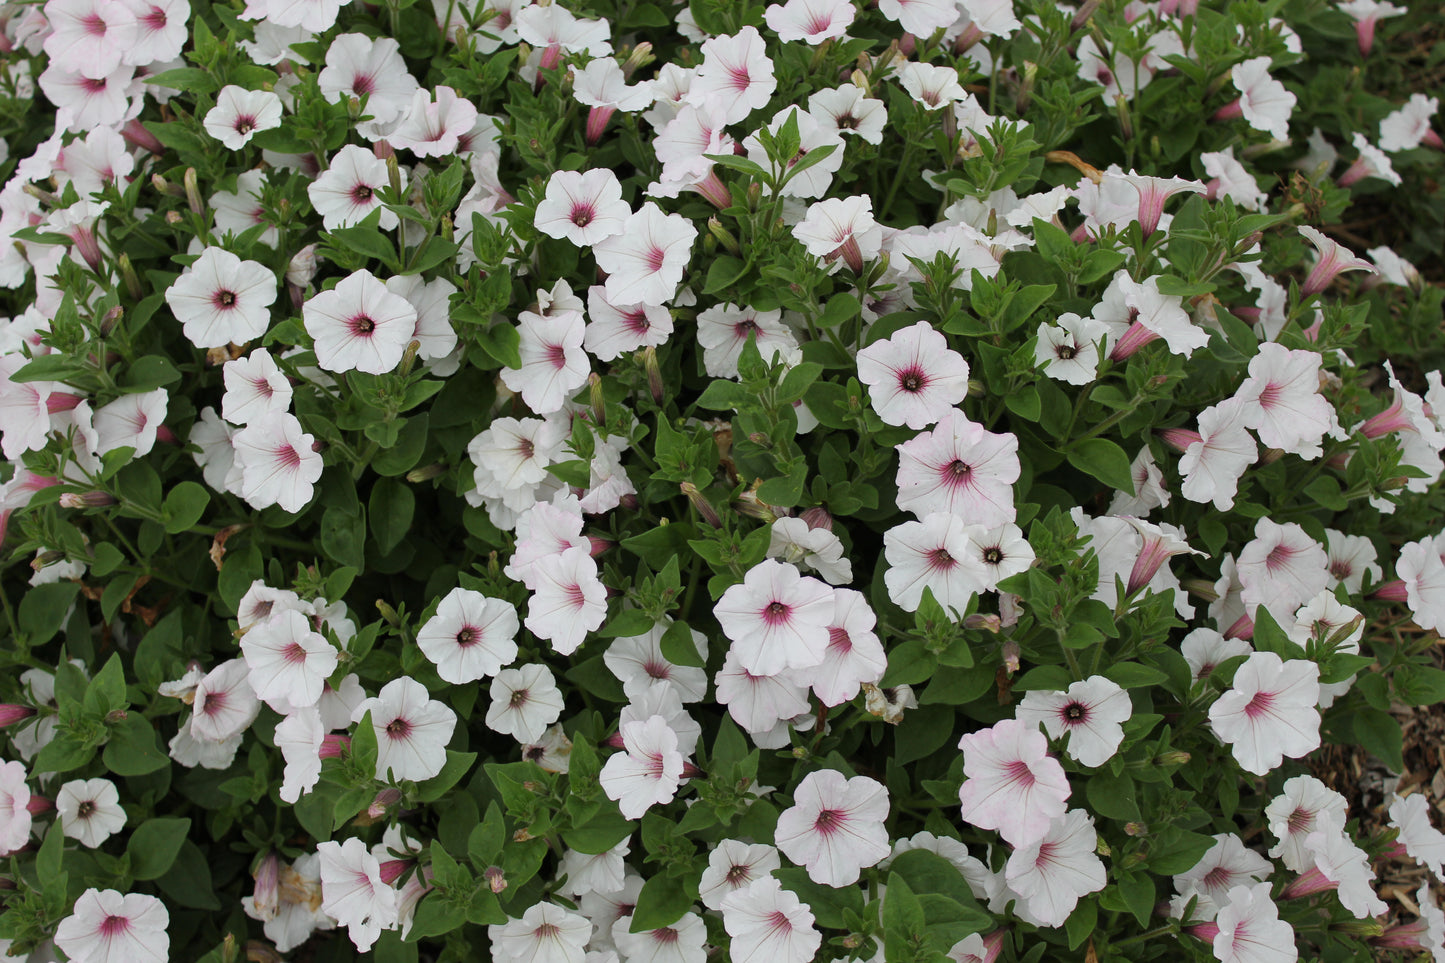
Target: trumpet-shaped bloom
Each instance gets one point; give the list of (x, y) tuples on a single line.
[(288, 659), (1052, 871), (359, 325), (221, 299), (1011, 783), (1091, 713), (961, 468), (525, 701), (736, 72), (723, 330), (733, 865), (1249, 930), (1281, 568), (89, 810), (835, 826), (354, 892), (645, 262), (913, 377), (570, 600), (583, 206), (347, 191), (1216, 456), (546, 933), (241, 114), (1269, 713), (1263, 101), (1410, 815), (811, 21), (255, 387), (769, 924), (470, 637), (412, 730), (1068, 349), (1282, 402), (554, 364), (938, 554), (106, 926), (650, 770), (777, 619), (1292, 816), (278, 463)]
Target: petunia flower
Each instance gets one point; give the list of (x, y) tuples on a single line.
[(848, 110), (724, 329), (583, 206), (795, 542), (554, 365), (841, 227), (347, 191), (1011, 783), (278, 462), (920, 17), (525, 701), (1334, 260), (435, 122), (1339, 865), (913, 377), (288, 659), (1421, 841), (602, 86), (938, 554), (373, 68), (960, 468), (1091, 713), (1369, 162), (1366, 14), (733, 865), (546, 933), (1281, 568), (855, 654), (131, 421), (255, 388), (645, 262), (616, 329), (221, 299), (470, 636), (776, 618), (735, 72), (1051, 872), (648, 772), (1409, 126), (811, 21), (225, 704), (1292, 815), (638, 663), (240, 114), (768, 924), (758, 702), (15, 816), (1068, 349), (1225, 865), (1217, 455), (106, 926), (89, 36), (835, 826), (1263, 101), (814, 180), (569, 601), (1269, 713), (359, 325), (412, 730), (355, 892), (1248, 929), (89, 810)]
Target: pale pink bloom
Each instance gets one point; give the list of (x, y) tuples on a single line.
[(1366, 14), (645, 263), (240, 114), (1352, 558), (812, 181), (161, 31), (638, 663), (854, 654), (1137, 313), (1269, 713), (777, 619), (546, 933), (604, 872), (1426, 933), (346, 192), (316, 16), (83, 103), (1281, 568), (15, 820), (359, 325), (556, 31), (684, 941), (1232, 179), (525, 701), (1292, 814), (255, 387), (1091, 713), (1370, 162), (938, 554), (615, 329), (920, 17), (278, 463), (733, 865), (1225, 865), (1410, 816), (1149, 490), (1420, 440), (1263, 101), (914, 378), (583, 206), (470, 636), (89, 810), (769, 924), (847, 110), (1339, 865), (602, 86), (300, 737), (221, 299), (931, 85), (435, 122), (724, 329), (354, 891), (1204, 649), (661, 699), (569, 601), (1394, 269), (1333, 261), (682, 146), (648, 772), (412, 730), (1249, 930), (1053, 871), (959, 468), (1002, 552), (554, 364), (1421, 567), (812, 21), (735, 72), (25, 408), (1011, 783), (89, 36), (758, 702), (835, 826), (1153, 193), (288, 659), (1218, 455), (224, 703), (547, 528), (131, 421), (106, 926), (1409, 126), (841, 227), (1068, 349), (362, 67)]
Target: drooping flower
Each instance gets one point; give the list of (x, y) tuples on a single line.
[(1409, 126), (841, 227), (354, 891), (835, 826), (1270, 712), (412, 730), (1334, 260), (107, 926), (1410, 815), (1263, 101), (1011, 783)]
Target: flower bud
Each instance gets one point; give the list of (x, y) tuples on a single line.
[(383, 802), (110, 320), (333, 745), (724, 236), (129, 277), (11, 714), (700, 504), (393, 174), (639, 57), (595, 398), (392, 869), (267, 897), (1126, 121), (1086, 11), (388, 614), (418, 475), (818, 517), (193, 192), (94, 499), (1174, 757), (654, 373), (302, 266), (496, 879)]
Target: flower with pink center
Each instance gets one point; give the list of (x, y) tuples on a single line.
[(736, 72), (602, 86), (1421, 841), (132, 421), (83, 103), (683, 941), (278, 462), (724, 329), (1138, 313), (841, 227), (913, 377), (812, 181), (470, 636), (854, 655), (645, 262), (1051, 872), (1153, 193), (348, 190), (733, 865), (435, 122), (557, 31), (1249, 930), (811, 21), (1091, 713), (546, 933), (1216, 456), (638, 663), (355, 890), (1291, 817), (650, 770), (255, 387), (769, 924), (241, 114), (615, 329), (1409, 126), (1370, 162), (961, 468), (221, 299), (1334, 260), (1339, 865), (1225, 865), (1366, 14), (1352, 559), (89, 36), (1270, 712), (933, 86), (1068, 349), (359, 325), (362, 67), (224, 702), (835, 826), (554, 364), (1011, 783), (89, 810), (288, 659), (1229, 178), (525, 701), (846, 110), (583, 206), (412, 730), (920, 17), (160, 31), (1421, 571), (107, 926), (758, 702), (1281, 568), (938, 554), (569, 600), (777, 618)]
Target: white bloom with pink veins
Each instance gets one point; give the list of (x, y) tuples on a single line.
[(470, 636), (1137, 312), (1291, 817), (83, 103), (255, 387), (1225, 865), (1249, 930), (554, 364), (241, 114), (1421, 566), (569, 601), (812, 21), (546, 933), (777, 618), (278, 463), (1231, 179), (225, 704), (913, 377), (89, 36), (961, 468), (525, 701), (1091, 713), (732, 865), (723, 330), (638, 663), (758, 702), (1053, 871), (221, 299), (106, 926), (1011, 783), (815, 180), (1409, 126), (854, 656), (735, 72), (645, 262), (769, 924), (1425, 844), (847, 110), (1352, 558), (1281, 568), (131, 421), (1270, 712), (841, 227), (435, 122), (354, 892), (359, 325), (347, 191), (793, 541), (835, 826), (359, 66), (412, 730), (615, 329), (15, 818), (288, 659), (1068, 349), (648, 772), (1263, 101), (313, 15), (938, 554), (582, 206), (1217, 456)]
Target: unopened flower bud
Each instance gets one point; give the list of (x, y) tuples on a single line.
[(496, 879), (1174, 757), (129, 278), (1126, 121), (1135, 829), (333, 745), (654, 373), (392, 869), (230, 951), (11, 714), (115, 717), (700, 504), (110, 320), (976, 388), (595, 399), (1086, 12), (94, 499), (755, 194), (383, 802), (818, 517), (426, 473), (46, 558), (267, 896), (724, 237), (193, 192), (639, 57), (41, 195), (393, 174), (983, 622), (302, 267), (388, 614), (1026, 87), (39, 804)]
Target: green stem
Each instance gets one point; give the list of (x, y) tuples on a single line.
[(9, 614), (1157, 931)]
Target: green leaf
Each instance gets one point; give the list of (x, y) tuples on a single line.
[(154, 846), (1380, 735), (724, 274), (840, 309), (188, 881), (63, 753), (390, 509), (1113, 797), (679, 648), (458, 764), (184, 506), (484, 845), (43, 610), (343, 536), (903, 919), (149, 373), (629, 623), (502, 342), (827, 903), (365, 240), (107, 690), (603, 831), (132, 749), (49, 857), (662, 902), (1104, 460), (1081, 923), (1137, 890)]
